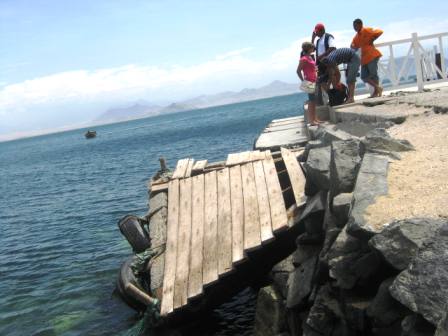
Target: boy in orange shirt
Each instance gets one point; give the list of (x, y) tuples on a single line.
[(369, 54)]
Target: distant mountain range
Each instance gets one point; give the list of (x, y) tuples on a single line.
[(142, 110)]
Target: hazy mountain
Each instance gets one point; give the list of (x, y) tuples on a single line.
[(142, 110), (135, 111)]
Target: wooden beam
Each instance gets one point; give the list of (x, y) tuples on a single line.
[(183, 244), (199, 166), (296, 176), (276, 202), (264, 211), (210, 264), (252, 236), (181, 168), (224, 223), (236, 193), (197, 235), (171, 248)]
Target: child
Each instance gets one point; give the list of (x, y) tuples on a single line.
[(307, 71)]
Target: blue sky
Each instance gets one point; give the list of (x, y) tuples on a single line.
[(65, 62)]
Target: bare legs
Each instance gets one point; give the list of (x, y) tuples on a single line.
[(351, 93), (312, 113)]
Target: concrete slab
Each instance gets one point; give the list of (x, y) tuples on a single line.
[(285, 138)]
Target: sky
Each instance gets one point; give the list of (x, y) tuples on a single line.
[(63, 63)]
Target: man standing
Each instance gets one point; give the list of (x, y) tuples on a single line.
[(324, 45), (369, 54), (339, 56)]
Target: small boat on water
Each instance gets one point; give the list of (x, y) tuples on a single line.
[(90, 134)]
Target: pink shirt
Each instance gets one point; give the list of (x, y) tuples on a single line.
[(309, 68)]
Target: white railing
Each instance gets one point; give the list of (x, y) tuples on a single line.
[(418, 66)]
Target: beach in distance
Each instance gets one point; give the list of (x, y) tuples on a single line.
[(62, 196)]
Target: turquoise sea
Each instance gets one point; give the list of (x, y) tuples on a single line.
[(62, 196)]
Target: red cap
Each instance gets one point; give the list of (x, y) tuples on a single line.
[(319, 26)]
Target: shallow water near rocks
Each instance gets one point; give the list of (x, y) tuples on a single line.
[(61, 199)]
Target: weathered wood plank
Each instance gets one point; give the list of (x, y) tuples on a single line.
[(224, 223), (232, 159), (252, 236), (171, 248), (189, 168), (257, 155), (236, 197), (181, 168), (210, 263), (183, 244), (276, 202), (159, 187), (296, 176), (197, 235), (264, 211), (199, 166)]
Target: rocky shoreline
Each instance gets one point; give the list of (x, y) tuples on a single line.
[(349, 275)]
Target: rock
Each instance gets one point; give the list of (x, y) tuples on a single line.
[(311, 145), (304, 252), (300, 283), (341, 208), (344, 166), (379, 139), (342, 259), (415, 325), (310, 239), (295, 319), (399, 241), (422, 287), (325, 312), (270, 313), (442, 327), (313, 213), (280, 274), (371, 183), (317, 168), (355, 312), (384, 310)]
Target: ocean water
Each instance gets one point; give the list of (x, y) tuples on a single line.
[(62, 196)]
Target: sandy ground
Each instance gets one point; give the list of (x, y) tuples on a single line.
[(418, 183)]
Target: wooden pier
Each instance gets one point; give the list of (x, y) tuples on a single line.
[(220, 216)]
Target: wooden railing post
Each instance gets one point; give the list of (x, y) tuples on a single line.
[(418, 62)]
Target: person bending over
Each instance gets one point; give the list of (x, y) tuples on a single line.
[(369, 55), (340, 56), (306, 70)]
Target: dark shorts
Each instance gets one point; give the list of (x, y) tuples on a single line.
[(370, 70), (312, 97), (352, 69)]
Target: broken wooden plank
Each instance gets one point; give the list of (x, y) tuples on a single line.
[(197, 234), (183, 244), (181, 168), (171, 248), (189, 168), (199, 166), (276, 201), (210, 264), (264, 211), (159, 187), (236, 197), (252, 236), (296, 176), (224, 223)]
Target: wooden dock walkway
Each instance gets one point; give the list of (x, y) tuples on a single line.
[(218, 216)]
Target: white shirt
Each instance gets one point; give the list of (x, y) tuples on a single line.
[(320, 45)]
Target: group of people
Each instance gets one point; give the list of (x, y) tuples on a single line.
[(319, 64)]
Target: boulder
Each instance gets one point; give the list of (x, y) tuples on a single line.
[(371, 183), (379, 139), (280, 273), (442, 327), (344, 166), (399, 241), (343, 258), (313, 213), (354, 310), (309, 146), (300, 283), (422, 287), (304, 252), (317, 168), (325, 312), (384, 311), (270, 313), (341, 208), (415, 325)]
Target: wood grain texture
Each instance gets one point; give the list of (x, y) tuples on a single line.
[(264, 210), (252, 236), (224, 222), (236, 192), (296, 176)]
